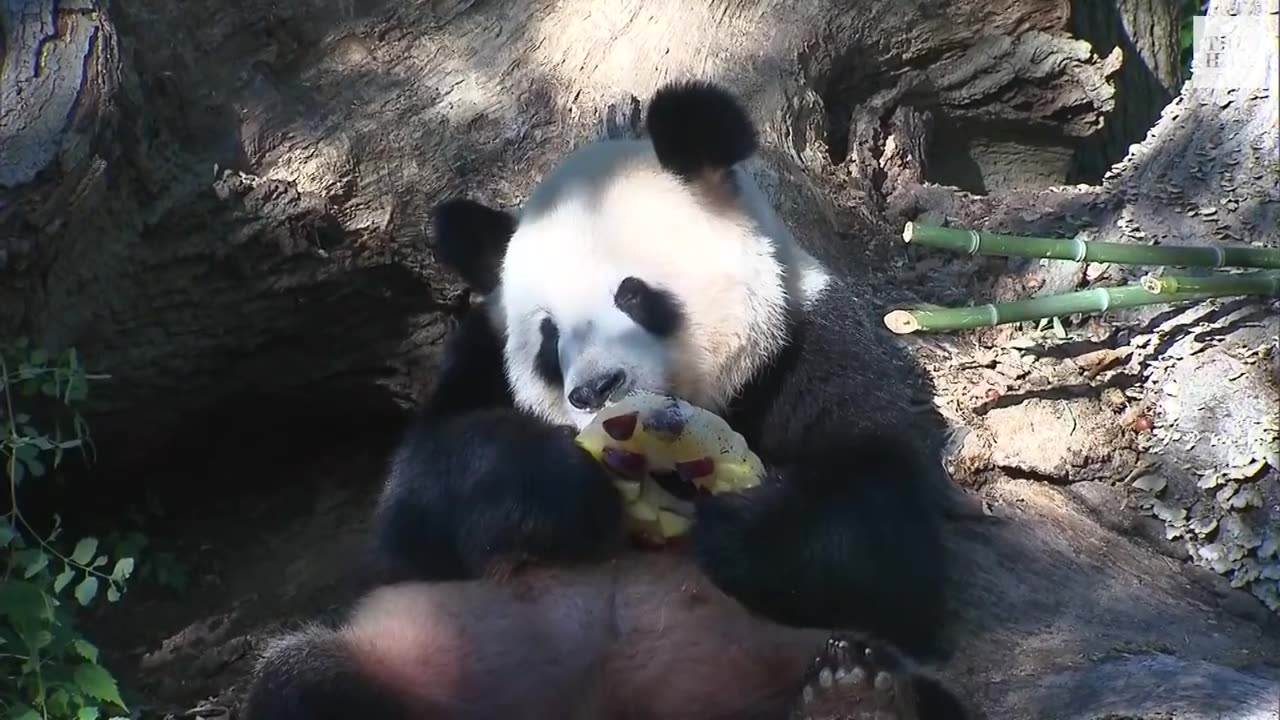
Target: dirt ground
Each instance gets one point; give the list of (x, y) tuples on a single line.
[(257, 561)]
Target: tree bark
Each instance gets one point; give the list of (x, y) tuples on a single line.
[(223, 203)]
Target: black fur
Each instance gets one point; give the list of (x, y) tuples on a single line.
[(698, 126), (475, 487), (842, 539), (859, 498), (473, 363), (488, 492), (317, 681), (471, 238), (654, 309), (547, 362)]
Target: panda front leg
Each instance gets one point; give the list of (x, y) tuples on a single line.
[(848, 538), (476, 488)]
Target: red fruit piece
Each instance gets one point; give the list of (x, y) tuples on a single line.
[(622, 427), (624, 462), (694, 469)]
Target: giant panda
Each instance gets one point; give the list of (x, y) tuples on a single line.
[(642, 264)]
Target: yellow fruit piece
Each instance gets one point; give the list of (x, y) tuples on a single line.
[(630, 490), (643, 511), (673, 525), (645, 437)]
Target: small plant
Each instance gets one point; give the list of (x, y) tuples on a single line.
[(51, 671), (1187, 10), (161, 567)]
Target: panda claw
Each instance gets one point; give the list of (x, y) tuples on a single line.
[(853, 678)]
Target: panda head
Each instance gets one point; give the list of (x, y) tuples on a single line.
[(651, 264)]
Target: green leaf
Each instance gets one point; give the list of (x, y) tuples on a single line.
[(85, 649), (84, 550), (34, 466), (99, 561), (25, 712), (39, 561), (88, 712), (23, 600), (77, 390), (59, 702), (113, 593), (7, 533), (39, 357), (86, 590), (40, 639), (63, 578), (123, 569), (94, 681)]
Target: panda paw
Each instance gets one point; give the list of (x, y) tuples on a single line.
[(488, 493), (855, 678)]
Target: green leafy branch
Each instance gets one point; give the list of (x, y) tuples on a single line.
[(57, 672)]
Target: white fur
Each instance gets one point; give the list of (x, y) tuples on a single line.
[(610, 211)]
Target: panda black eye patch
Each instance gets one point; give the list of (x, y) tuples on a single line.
[(547, 362), (657, 311)]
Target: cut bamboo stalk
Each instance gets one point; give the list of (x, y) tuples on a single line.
[(1254, 283), (981, 242), (905, 321)]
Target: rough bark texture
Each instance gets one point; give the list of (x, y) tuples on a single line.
[(224, 200), (1147, 33)]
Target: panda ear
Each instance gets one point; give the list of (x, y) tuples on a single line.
[(471, 238), (698, 127)]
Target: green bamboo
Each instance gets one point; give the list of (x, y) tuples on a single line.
[(1082, 301), (981, 242), (1254, 283)]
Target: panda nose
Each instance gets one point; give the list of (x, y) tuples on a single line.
[(592, 394)]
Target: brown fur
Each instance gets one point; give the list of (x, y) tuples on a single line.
[(643, 638)]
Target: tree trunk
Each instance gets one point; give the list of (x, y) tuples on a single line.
[(225, 202)]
